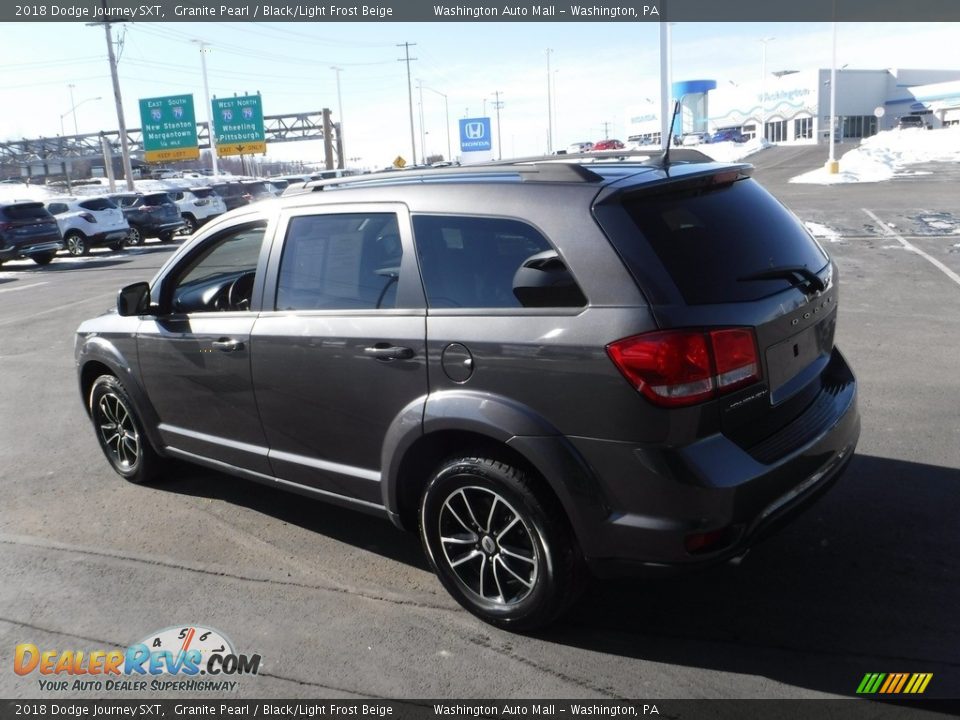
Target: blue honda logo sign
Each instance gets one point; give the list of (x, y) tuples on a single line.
[(475, 135)]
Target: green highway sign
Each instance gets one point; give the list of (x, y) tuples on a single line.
[(169, 128), (238, 125)]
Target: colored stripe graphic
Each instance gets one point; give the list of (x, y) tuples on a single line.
[(894, 683)]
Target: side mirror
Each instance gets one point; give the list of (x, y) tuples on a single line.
[(544, 281), (134, 300)]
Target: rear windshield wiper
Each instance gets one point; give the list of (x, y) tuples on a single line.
[(795, 274)]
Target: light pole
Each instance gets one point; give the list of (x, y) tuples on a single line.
[(833, 167), (446, 108), (763, 87), (338, 70), (206, 95), (423, 130), (74, 111)]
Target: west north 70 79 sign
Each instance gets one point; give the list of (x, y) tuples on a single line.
[(238, 124), (169, 128)]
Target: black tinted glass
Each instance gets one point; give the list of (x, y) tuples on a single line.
[(341, 262), (98, 204), (471, 262), (157, 199), (709, 239), (26, 211), (202, 193)]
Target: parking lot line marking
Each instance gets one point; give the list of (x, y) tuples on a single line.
[(99, 298), (912, 248), (22, 287)]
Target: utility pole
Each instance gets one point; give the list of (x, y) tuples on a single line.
[(446, 109), (606, 129), (73, 106), (206, 96), (413, 143), (549, 108), (498, 104), (124, 147), (338, 70)]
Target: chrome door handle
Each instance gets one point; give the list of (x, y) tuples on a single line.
[(228, 344)]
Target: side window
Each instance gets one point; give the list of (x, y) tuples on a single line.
[(221, 276), (340, 262), (57, 208), (469, 262)]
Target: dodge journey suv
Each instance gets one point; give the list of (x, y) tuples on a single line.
[(543, 368)]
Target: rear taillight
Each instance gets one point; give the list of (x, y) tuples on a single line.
[(684, 367), (88, 217)]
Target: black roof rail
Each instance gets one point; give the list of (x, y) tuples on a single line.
[(573, 168), (523, 170)]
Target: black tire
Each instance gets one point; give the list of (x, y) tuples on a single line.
[(44, 258), (76, 243), (136, 236), (120, 432), (507, 554), (117, 246), (166, 237)]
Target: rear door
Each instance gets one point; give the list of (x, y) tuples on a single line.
[(340, 347)]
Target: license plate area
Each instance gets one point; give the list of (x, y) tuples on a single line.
[(787, 359)]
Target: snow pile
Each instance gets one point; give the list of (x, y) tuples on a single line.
[(823, 232), (888, 154)]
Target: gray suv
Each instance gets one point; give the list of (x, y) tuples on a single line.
[(542, 368)]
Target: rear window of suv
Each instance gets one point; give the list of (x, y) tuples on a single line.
[(99, 204), (710, 239), (156, 199), (25, 211)]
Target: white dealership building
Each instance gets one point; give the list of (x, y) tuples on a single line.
[(794, 106)]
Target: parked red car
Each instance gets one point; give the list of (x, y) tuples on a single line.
[(608, 145)]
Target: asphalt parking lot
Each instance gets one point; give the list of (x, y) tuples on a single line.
[(342, 605)]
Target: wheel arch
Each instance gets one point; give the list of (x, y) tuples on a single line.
[(443, 425), (97, 357)]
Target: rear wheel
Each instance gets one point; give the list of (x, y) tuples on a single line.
[(500, 544), (120, 432), (76, 243), (117, 246), (43, 258), (136, 236), (192, 224), (166, 237)]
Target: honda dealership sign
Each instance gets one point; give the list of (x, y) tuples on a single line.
[(475, 139)]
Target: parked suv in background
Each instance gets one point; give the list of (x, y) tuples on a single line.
[(89, 222), (197, 205), (540, 367), (237, 193), (151, 214), (27, 229), (911, 121)]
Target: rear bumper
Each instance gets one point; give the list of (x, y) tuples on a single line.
[(26, 250), (657, 498)]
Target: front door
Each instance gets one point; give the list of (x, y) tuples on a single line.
[(195, 355)]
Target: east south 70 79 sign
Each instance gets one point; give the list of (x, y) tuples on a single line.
[(169, 128)]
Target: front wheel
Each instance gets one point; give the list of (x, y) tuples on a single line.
[(500, 543), (120, 432), (166, 237), (44, 258), (136, 236)]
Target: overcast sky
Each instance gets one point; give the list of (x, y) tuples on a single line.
[(598, 70)]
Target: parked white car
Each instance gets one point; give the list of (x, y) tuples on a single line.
[(198, 205), (89, 222)]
